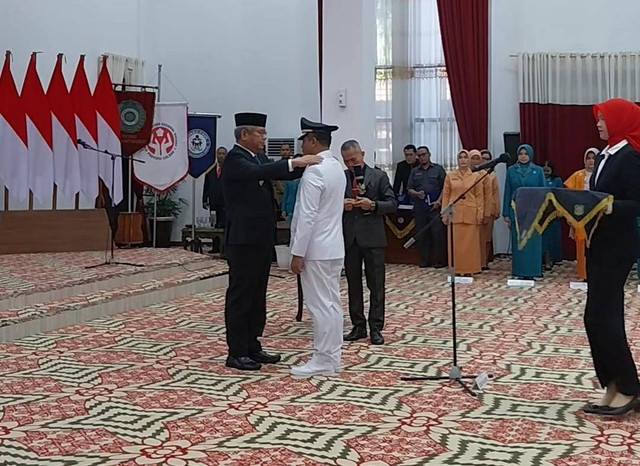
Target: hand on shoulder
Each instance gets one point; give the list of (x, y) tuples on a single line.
[(306, 160)]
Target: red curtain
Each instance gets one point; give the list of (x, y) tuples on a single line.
[(560, 134), (464, 25)]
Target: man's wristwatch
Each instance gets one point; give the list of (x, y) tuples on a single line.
[(374, 206)]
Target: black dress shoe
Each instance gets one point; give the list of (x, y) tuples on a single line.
[(633, 405), (439, 266), (242, 363), (265, 358), (357, 333), (376, 338), (591, 408)]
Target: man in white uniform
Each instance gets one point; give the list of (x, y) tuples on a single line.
[(317, 247)]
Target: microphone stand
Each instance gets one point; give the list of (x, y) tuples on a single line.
[(455, 373), (111, 260)]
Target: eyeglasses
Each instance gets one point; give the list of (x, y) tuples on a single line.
[(261, 132)]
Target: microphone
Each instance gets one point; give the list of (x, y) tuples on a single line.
[(80, 142), (358, 173), (409, 243), (491, 164)]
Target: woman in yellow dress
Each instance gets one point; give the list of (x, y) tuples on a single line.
[(468, 215), (580, 181)]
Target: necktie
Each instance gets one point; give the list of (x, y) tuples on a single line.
[(218, 170)]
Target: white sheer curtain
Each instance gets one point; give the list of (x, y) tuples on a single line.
[(412, 88), (578, 79), (123, 69)]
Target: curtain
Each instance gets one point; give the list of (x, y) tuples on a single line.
[(465, 38), (122, 69), (557, 92), (413, 98)]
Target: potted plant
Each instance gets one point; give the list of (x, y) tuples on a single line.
[(167, 208)]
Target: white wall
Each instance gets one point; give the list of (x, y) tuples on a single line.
[(349, 62), (548, 26), (223, 56), (227, 56)]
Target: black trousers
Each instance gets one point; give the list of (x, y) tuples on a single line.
[(375, 274), (604, 322), (245, 309), (221, 216), (432, 245)]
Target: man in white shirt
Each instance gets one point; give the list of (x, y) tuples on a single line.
[(317, 247)]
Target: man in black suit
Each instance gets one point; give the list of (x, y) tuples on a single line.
[(368, 197), (249, 237), (212, 198), (403, 170)]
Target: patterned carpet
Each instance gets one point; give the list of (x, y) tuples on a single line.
[(149, 387), (27, 273)]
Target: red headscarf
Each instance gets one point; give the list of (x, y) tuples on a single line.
[(623, 121)]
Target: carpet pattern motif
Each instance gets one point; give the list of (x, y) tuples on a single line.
[(28, 273), (149, 386)]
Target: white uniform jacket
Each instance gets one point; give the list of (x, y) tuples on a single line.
[(316, 228)]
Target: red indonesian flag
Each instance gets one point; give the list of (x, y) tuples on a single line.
[(39, 134), (108, 132), (13, 136), (66, 167), (87, 130)]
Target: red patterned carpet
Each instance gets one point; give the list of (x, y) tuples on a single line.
[(149, 386)]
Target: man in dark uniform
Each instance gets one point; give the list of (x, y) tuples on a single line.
[(249, 237), (368, 197), (425, 187), (403, 170), (212, 198)]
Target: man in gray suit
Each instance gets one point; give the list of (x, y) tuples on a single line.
[(367, 198)]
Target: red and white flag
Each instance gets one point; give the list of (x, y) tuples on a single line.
[(108, 132), (66, 167), (13, 136), (86, 130), (39, 134)]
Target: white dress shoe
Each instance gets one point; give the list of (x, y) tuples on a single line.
[(310, 369)]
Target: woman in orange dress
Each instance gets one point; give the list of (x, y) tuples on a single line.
[(468, 214), (580, 181), (491, 207)]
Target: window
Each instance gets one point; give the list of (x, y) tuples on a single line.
[(413, 99)]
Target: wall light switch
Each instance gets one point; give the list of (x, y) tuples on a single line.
[(342, 98)]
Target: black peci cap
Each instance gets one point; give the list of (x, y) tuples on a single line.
[(251, 119)]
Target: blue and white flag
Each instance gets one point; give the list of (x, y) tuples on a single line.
[(202, 143)]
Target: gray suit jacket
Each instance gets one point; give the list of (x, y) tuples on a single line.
[(368, 228)]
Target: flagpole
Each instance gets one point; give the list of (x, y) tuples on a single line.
[(6, 199), (130, 203), (155, 194), (193, 215)]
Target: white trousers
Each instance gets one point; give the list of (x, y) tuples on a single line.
[(321, 290)]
